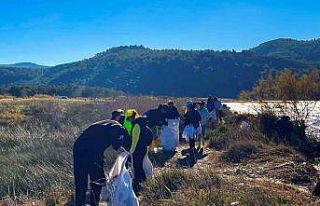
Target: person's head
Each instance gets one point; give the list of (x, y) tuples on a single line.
[(215, 98), (131, 115), (170, 103), (210, 96), (189, 105), (202, 104), (118, 115)]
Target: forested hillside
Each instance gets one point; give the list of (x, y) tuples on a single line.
[(305, 51), (140, 70)]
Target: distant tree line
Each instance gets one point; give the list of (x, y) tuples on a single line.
[(58, 90), (168, 72)]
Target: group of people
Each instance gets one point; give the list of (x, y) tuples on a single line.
[(128, 131), (202, 116)]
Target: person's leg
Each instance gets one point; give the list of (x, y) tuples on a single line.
[(203, 135), (192, 143), (220, 116), (81, 181), (139, 174), (97, 178), (154, 143)]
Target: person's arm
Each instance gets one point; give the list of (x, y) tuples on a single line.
[(118, 139), (177, 113), (198, 118), (135, 137)]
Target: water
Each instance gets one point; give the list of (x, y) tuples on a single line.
[(253, 108)]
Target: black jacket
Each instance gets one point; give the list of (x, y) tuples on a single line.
[(192, 117), (172, 113), (98, 137), (155, 117)]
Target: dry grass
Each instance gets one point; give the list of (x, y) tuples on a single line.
[(36, 138), (180, 187)]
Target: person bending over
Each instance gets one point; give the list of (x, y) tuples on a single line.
[(88, 156)]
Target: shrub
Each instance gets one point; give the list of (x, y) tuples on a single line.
[(239, 151), (219, 138), (163, 185), (267, 124)]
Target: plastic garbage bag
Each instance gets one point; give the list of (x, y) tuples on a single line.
[(170, 135), (147, 166), (245, 126), (189, 132), (118, 190), (173, 124), (167, 139)]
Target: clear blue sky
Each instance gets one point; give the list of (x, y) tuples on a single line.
[(58, 31)]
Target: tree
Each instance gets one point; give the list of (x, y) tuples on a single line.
[(289, 94)]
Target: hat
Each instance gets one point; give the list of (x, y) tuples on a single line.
[(189, 104), (131, 113), (170, 102)]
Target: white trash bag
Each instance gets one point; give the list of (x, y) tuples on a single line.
[(189, 132), (118, 190), (147, 166), (170, 135), (173, 124)]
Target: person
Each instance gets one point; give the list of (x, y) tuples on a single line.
[(218, 108), (172, 112), (204, 114), (140, 138), (193, 118), (88, 155), (156, 118), (210, 103)]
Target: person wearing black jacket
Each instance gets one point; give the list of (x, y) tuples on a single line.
[(88, 155), (172, 112), (192, 117), (156, 117)]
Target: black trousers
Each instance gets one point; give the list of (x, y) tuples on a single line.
[(84, 167), (192, 143), (139, 174)]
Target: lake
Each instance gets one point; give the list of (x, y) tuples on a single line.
[(252, 108)]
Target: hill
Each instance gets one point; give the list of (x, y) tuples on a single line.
[(13, 75), (306, 51), (24, 65), (169, 72)]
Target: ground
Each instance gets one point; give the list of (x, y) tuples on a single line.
[(275, 170), (36, 137)]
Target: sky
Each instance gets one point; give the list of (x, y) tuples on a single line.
[(52, 32)]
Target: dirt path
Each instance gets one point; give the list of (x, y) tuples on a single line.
[(272, 169), (276, 168)]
